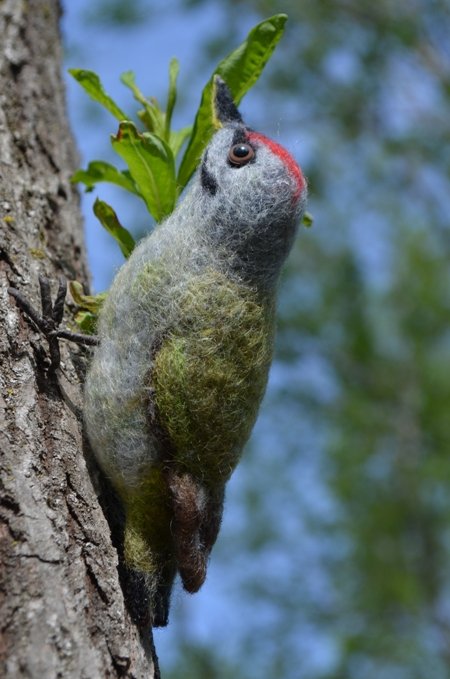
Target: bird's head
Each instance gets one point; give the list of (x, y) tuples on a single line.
[(253, 191)]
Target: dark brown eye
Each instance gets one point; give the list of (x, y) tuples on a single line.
[(240, 154)]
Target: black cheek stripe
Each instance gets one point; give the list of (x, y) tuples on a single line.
[(207, 180)]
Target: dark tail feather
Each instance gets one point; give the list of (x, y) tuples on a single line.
[(197, 516), (147, 604)]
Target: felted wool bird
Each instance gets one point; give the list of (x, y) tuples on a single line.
[(186, 338)]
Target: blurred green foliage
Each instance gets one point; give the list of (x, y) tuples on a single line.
[(118, 13)]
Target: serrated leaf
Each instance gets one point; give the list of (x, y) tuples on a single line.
[(91, 83), (307, 220), (109, 220), (100, 171), (240, 70), (152, 167)]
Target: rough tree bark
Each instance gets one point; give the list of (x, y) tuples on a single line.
[(62, 611)]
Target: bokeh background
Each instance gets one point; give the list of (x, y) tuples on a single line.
[(334, 557)]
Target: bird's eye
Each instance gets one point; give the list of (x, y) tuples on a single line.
[(241, 154)]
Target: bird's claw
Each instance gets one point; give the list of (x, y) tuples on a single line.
[(52, 314)]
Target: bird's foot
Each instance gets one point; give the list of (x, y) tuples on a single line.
[(52, 314)]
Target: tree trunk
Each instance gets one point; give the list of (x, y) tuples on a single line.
[(62, 609)]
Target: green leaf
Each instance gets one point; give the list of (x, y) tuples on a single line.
[(174, 69), (240, 70), (91, 83), (99, 171), (177, 139), (91, 303), (153, 120), (128, 79), (152, 116), (86, 322), (307, 220), (152, 167), (109, 220)]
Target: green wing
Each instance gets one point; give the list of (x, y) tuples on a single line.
[(210, 374)]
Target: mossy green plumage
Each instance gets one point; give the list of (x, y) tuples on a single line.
[(148, 541), (210, 374)]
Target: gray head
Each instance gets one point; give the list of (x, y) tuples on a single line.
[(253, 193)]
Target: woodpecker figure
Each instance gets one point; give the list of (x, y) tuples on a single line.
[(185, 344)]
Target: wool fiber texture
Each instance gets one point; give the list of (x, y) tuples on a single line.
[(186, 340)]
